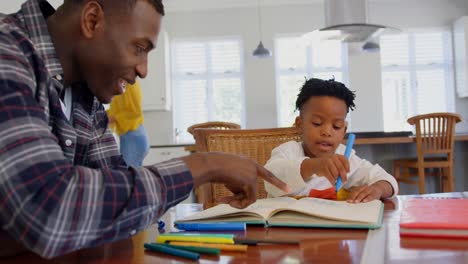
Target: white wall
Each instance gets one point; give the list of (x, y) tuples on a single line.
[(259, 75), (260, 91), (365, 80)]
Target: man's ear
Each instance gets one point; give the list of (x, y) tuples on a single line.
[(92, 19), (346, 127)]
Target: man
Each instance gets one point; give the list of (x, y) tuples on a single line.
[(64, 186)]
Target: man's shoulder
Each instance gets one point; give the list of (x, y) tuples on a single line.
[(20, 63), (11, 24), (15, 44)]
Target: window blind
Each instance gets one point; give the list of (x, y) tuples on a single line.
[(296, 61), (417, 76), (207, 78)]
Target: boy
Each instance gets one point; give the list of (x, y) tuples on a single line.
[(317, 161)]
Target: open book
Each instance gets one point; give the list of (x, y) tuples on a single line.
[(306, 212)]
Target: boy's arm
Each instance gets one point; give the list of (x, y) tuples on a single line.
[(330, 167), (365, 173), (285, 164), (384, 187), (371, 179)]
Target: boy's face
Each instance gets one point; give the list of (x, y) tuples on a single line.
[(116, 51), (322, 125)]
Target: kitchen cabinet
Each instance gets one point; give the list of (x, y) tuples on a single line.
[(156, 86)]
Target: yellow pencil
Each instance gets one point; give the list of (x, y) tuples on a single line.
[(223, 247), (217, 240), (299, 197)]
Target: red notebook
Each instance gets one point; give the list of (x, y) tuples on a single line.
[(435, 217)]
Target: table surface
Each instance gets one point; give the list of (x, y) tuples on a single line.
[(316, 246)]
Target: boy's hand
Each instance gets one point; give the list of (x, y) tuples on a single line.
[(364, 194), (378, 190), (330, 167)]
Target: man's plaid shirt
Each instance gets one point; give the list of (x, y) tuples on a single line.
[(63, 184)]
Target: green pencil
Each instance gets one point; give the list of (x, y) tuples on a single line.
[(172, 251), (202, 250)]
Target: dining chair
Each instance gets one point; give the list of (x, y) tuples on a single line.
[(256, 144), (213, 125), (435, 134)]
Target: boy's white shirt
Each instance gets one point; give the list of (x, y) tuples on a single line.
[(285, 163)]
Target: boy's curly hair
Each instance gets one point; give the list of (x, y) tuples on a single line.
[(319, 87)]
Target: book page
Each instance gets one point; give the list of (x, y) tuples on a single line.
[(336, 210), (261, 209), (291, 218)]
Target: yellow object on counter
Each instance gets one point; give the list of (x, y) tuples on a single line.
[(223, 247), (202, 238), (299, 197), (342, 195)]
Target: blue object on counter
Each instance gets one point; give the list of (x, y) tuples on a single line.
[(349, 147), (228, 226)]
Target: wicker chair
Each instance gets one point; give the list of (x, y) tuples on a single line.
[(434, 142), (213, 125), (256, 144)]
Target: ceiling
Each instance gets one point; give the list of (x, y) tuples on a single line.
[(194, 5)]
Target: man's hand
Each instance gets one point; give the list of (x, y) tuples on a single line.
[(330, 167), (239, 174)]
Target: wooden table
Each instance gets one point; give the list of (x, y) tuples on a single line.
[(398, 140), (316, 246)]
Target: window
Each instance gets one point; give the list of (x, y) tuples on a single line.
[(416, 76), (296, 61), (207, 81)]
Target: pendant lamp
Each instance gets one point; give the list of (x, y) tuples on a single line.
[(260, 51), (371, 46)]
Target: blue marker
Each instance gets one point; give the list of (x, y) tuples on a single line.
[(233, 226), (349, 147), (172, 251)]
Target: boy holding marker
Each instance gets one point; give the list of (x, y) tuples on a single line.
[(317, 163)]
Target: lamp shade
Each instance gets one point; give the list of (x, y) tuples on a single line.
[(261, 51)]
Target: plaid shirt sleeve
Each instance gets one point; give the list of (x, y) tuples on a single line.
[(49, 203)]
